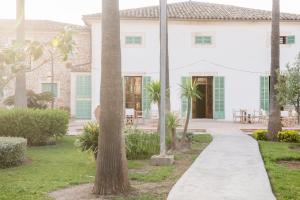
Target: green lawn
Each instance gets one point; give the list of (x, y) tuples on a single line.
[(63, 165), (52, 167), (285, 181)]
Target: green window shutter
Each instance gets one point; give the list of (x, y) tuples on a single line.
[(133, 40), (203, 40), (184, 100), (83, 86), (83, 109), (83, 106), (264, 93), (47, 87), (219, 97), (291, 39), (146, 104)]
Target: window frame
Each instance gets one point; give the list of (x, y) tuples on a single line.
[(206, 35), (134, 36), (57, 88)]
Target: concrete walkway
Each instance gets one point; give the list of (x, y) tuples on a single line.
[(230, 168)]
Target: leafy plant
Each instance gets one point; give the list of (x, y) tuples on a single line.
[(288, 87), (34, 100), (260, 135), (12, 151), (37, 126), (172, 123), (189, 91), (88, 141), (288, 136)]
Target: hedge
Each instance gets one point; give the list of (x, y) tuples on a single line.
[(37, 126), (12, 151)]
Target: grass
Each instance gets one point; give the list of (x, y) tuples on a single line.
[(285, 181), (63, 165), (52, 167), (156, 174)]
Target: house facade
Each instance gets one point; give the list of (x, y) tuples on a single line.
[(225, 49), (39, 80)]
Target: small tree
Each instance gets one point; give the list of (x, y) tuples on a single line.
[(38, 101), (288, 87), (154, 95), (172, 124), (189, 91), (32, 55)]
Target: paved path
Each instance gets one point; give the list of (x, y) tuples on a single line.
[(230, 168)]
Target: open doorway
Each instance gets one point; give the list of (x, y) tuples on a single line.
[(133, 93), (203, 108)]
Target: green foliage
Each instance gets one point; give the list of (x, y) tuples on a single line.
[(154, 91), (37, 126), (190, 91), (12, 151), (88, 141), (288, 136), (140, 145), (260, 135), (172, 121), (38, 101), (50, 168), (157, 174), (285, 181), (288, 87)]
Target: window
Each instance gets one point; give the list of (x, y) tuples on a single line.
[(203, 40), (48, 87), (287, 39), (133, 40)]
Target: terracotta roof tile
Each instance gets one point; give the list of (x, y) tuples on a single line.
[(193, 10)]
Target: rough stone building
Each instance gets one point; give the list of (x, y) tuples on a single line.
[(39, 80)]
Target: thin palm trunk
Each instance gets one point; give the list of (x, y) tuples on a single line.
[(111, 171), (187, 119), (20, 88), (274, 125)]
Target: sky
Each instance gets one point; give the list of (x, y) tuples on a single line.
[(70, 11)]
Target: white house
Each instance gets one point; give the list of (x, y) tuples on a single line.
[(226, 49)]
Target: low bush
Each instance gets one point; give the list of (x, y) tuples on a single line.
[(37, 126), (260, 135), (139, 144), (12, 151), (88, 141), (288, 136)]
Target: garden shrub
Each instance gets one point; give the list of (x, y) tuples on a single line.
[(88, 141), (260, 135), (37, 126), (139, 144), (12, 151), (288, 136)]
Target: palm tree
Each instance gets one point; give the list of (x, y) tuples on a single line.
[(274, 125), (189, 91), (154, 95), (20, 88), (111, 171)]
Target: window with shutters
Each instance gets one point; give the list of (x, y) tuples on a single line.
[(49, 87), (264, 93), (291, 39), (134, 40)]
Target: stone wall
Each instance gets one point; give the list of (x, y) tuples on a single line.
[(79, 60)]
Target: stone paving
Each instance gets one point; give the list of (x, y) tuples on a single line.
[(230, 168)]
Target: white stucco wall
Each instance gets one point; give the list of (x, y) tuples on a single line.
[(240, 45)]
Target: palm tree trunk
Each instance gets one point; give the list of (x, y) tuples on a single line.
[(20, 88), (187, 120), (111, 171), (274, 125)]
